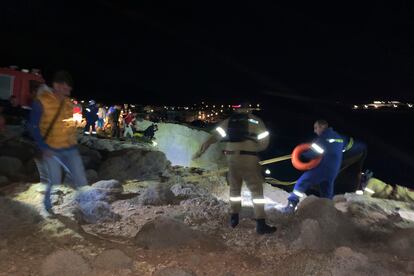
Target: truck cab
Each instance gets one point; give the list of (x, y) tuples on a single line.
[(21, 84)]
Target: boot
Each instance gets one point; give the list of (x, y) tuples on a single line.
[(289, 208), (263, 228), (234, 220)]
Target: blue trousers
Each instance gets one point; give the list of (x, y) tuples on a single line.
[(50, 171), (309, 179)]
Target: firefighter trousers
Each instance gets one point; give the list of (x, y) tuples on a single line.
[(246, 168)]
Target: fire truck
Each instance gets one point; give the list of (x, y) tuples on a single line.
[(19, 83)]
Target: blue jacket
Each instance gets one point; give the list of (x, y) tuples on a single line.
[(329, 145), (91, 113)]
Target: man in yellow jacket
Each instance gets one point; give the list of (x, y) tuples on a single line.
[(53, 129)]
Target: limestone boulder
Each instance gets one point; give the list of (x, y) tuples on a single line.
[(153, 235), (134, 164), (91, 158), (113, 259), (92, 206), (112, 188), (10, 166), (18, 148), (157, 195), (91, 176), (65, 263), (332, 226)]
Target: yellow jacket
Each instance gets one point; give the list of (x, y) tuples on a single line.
[(63, 133), (377, 188)]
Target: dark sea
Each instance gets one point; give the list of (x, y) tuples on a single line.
[(388, 134)]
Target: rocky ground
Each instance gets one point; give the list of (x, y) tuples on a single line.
[(173, 221)]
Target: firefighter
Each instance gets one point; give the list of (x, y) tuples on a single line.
[(91, 115), (328, 146), (244, 135)]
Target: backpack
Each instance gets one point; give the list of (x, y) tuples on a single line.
[(238, 129)]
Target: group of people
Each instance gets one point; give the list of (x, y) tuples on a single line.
[(119, 119), (54, 130), (245, 135)]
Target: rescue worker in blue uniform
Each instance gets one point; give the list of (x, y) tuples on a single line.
[(91, 115), (244, 136), (329, 145)]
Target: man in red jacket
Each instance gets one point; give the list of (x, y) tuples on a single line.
[(129, 121)]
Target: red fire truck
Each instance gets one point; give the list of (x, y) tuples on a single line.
[(19, 83)]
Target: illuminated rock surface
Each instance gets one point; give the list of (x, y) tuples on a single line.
[(172, 220)]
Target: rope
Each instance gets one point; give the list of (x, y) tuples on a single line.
[(224, 170), (274, 181)]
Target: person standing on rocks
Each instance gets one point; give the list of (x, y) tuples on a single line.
[(53, 129), (91, 115), (329, 146), (244, 135), (101, 117), (128, 123), (114, 119)]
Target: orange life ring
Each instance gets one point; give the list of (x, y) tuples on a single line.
[(303, 166)]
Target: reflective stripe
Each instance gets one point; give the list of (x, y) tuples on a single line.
[(259, 201), (253, 121), (335, 140), (262, 135), (299, 194), (359, 192), (87, 132), (349, 146), (235, 198), (317, 148), (221, 132), (369, 190), (93, 132)]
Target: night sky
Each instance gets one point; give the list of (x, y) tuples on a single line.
[(155, 52)]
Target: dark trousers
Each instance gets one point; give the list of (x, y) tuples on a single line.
[(349, 178), (115, 129), (88, 125)]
